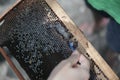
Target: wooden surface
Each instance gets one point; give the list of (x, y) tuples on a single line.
[(8, 9), (7, 58), (86, 45)]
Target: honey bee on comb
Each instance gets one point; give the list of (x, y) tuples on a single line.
[(39, 34), (36, 38)]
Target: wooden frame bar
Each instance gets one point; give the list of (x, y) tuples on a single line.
[(4, 54), (86, 45)]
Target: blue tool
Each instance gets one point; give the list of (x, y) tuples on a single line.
[(71, 45)]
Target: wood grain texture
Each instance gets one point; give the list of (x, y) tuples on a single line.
[(86, 45), (8, 9)]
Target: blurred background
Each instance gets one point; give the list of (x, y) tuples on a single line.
[(85, 20)]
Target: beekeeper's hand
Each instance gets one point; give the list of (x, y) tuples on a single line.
[(76, 67)]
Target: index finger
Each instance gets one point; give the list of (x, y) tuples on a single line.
[(74, 58)]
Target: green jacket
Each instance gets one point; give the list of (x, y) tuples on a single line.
[(112, 7)]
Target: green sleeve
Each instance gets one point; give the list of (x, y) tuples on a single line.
[(112, 7)]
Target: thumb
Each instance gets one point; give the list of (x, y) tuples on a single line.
[(74, 58)]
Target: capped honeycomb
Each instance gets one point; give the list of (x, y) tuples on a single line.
[(36, 38)]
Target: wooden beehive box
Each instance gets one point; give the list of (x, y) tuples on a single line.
[(56, 14)]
